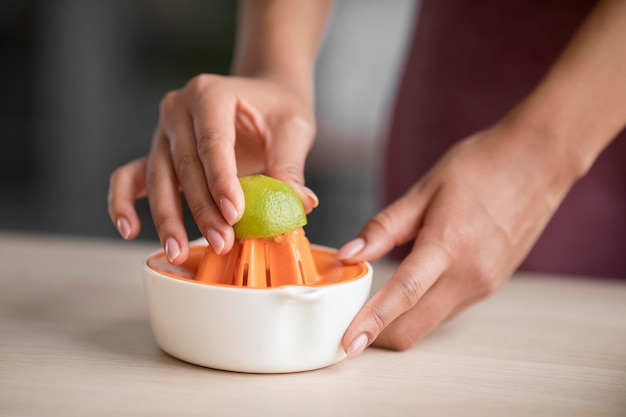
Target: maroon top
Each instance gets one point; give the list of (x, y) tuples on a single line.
[(470, 61)]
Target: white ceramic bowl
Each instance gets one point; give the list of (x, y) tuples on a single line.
[(283, 329)]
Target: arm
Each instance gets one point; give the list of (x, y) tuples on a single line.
[(279, 40), (580, 105), (218, 128), (481, 208)]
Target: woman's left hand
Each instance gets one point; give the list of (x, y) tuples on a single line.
[(474, 217)]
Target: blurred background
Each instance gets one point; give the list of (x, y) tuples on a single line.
[(81, 82)]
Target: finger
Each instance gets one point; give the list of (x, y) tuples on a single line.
[(190, 174), (165, 205), (126, 185), (437, 305), (287, 150), (395, 225), (413, 278), (214, 131)]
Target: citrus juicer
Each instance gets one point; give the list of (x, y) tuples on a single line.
[(285, 259), (273, 303), (262, 263), (271, 249), (290, 324)]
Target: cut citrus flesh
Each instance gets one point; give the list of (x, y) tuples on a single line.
[(272, 208)]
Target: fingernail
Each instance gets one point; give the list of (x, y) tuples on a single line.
[(123, 227), (311, 196), (228, 211), (351, 248), (172, 249), (357, 346), (216, 241)]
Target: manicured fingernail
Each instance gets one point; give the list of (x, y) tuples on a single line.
[(228, 211), (351, 248), (311, 196), (216, 241), (172, 249), (123, 227), (357, 346)]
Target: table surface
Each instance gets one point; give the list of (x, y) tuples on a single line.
[(75, 340)]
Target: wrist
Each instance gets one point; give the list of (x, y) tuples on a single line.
[(298, 82), (278, 41), (546, 157), (559, 136)]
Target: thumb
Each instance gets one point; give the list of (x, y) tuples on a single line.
[(393, 226), (286, 156)]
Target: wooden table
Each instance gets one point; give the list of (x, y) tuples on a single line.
[(75, 341)]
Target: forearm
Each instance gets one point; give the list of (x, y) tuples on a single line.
[(580, 105), (279, 39)]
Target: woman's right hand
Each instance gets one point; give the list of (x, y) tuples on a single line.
[(210, 132)]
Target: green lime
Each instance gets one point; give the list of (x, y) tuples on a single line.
[(272, 208)]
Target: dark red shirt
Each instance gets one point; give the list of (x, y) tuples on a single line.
[(469, 63)]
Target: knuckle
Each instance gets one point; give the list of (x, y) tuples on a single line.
[(151, 177), (199, 210), (218, 180), (116, 175), (399, 339), (290, 172), (484, 278), (168, 102), (164, 224), (378, 318), (201, 83), (383, 221), (411, 290), (489, 288), (207, 142), (298, 126), (184, 165)]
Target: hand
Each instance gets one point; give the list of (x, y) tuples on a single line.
[(477, 213), (474, 218), (209, 133)]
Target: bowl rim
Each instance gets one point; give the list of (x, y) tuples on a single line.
[(366, 274)]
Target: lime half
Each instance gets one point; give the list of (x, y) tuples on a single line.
[(272, 208)]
